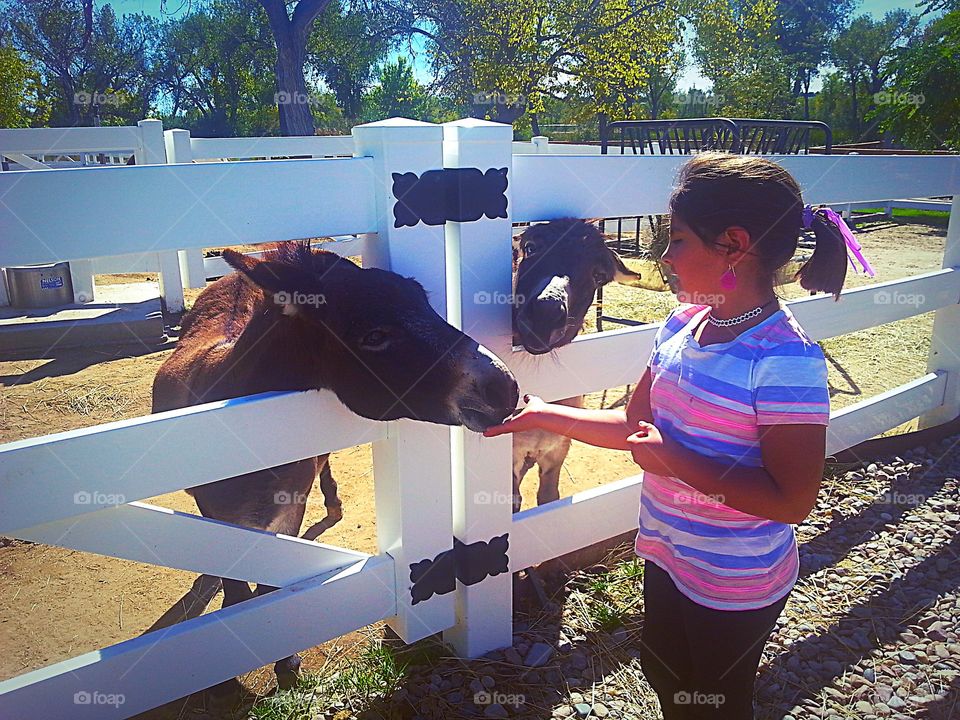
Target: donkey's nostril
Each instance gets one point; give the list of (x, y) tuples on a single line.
[(499, 394), (550, 313)]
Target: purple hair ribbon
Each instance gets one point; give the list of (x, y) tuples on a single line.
[(853, 247)]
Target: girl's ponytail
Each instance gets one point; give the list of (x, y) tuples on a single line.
[(827, 269)]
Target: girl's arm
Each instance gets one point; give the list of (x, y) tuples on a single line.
[(602, 428), (784, 489)]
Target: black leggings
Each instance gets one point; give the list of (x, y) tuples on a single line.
[(701, 662)]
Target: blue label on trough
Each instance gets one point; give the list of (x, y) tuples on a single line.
[(51, 283)]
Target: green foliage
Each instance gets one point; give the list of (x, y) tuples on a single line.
[(737, 49), (924, 101), (398, 94), (21, 104), (110, 75)]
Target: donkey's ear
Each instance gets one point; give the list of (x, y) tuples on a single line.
[(621, 273), (278, 279)]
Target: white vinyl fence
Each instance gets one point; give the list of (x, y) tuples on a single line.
[(84, 489)]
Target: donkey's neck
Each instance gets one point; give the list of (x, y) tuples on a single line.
[(275, 353)]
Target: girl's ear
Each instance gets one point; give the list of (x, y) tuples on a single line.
[(737, 240)]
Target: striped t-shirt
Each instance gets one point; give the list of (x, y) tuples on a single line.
[(711, 400)]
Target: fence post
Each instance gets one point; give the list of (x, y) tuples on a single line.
[(153, 151), (480, 264), (540, 144), (191, 259), (414, 517), (945, 342)]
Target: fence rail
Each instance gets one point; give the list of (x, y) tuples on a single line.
[(426, 477)]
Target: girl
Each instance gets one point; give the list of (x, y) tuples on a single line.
[(729, 424)]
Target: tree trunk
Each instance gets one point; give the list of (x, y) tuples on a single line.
[(806, 97), (293, 102), (535, 124), (855, 108)]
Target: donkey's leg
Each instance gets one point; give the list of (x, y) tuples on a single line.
[(520, 467), (551, 463), (328, 486)]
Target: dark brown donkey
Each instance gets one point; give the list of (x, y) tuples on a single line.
[(303, 319), (558, 267)]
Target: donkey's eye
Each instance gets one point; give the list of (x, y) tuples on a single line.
[(529, 249), (375, 340)]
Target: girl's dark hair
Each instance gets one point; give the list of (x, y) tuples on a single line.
[(716, 191)]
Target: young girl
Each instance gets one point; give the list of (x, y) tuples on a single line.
[(729, 424)]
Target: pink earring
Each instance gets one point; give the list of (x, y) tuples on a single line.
[(728, 281)]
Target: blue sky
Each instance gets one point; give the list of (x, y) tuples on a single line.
[(690, 78)]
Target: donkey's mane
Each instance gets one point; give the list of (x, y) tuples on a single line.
[(299, 254)]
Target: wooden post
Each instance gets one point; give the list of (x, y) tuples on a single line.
[(153, 151), (480, 286), (177, 144), (945, 341), (414, 517)]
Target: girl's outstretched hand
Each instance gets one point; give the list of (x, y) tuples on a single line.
[(523, 419)]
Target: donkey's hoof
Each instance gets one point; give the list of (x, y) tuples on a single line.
[(288, 672)]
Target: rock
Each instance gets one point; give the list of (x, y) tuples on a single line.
[(576, 698), (563, 711), (495, 711), (895, 702), (582, 709), (511, 656), (870, 675), (907, 657), (539, 655), (488, 682), (600, 710), (563, 644), (578, 661)]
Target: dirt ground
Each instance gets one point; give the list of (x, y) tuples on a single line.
[(57, 603)]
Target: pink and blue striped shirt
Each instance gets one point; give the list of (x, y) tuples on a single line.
[(712, 400)]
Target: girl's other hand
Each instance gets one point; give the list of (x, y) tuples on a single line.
[(523, 419), (650, 449)]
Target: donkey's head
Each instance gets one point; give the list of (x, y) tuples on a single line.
[(378, 343), (559, 266)]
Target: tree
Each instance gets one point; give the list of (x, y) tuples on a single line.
[(107, 71), (631, 70), (925, 107), (20, 102), (737, 49), (345, 48), (216, 70), (864, 53), (804, 33)]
